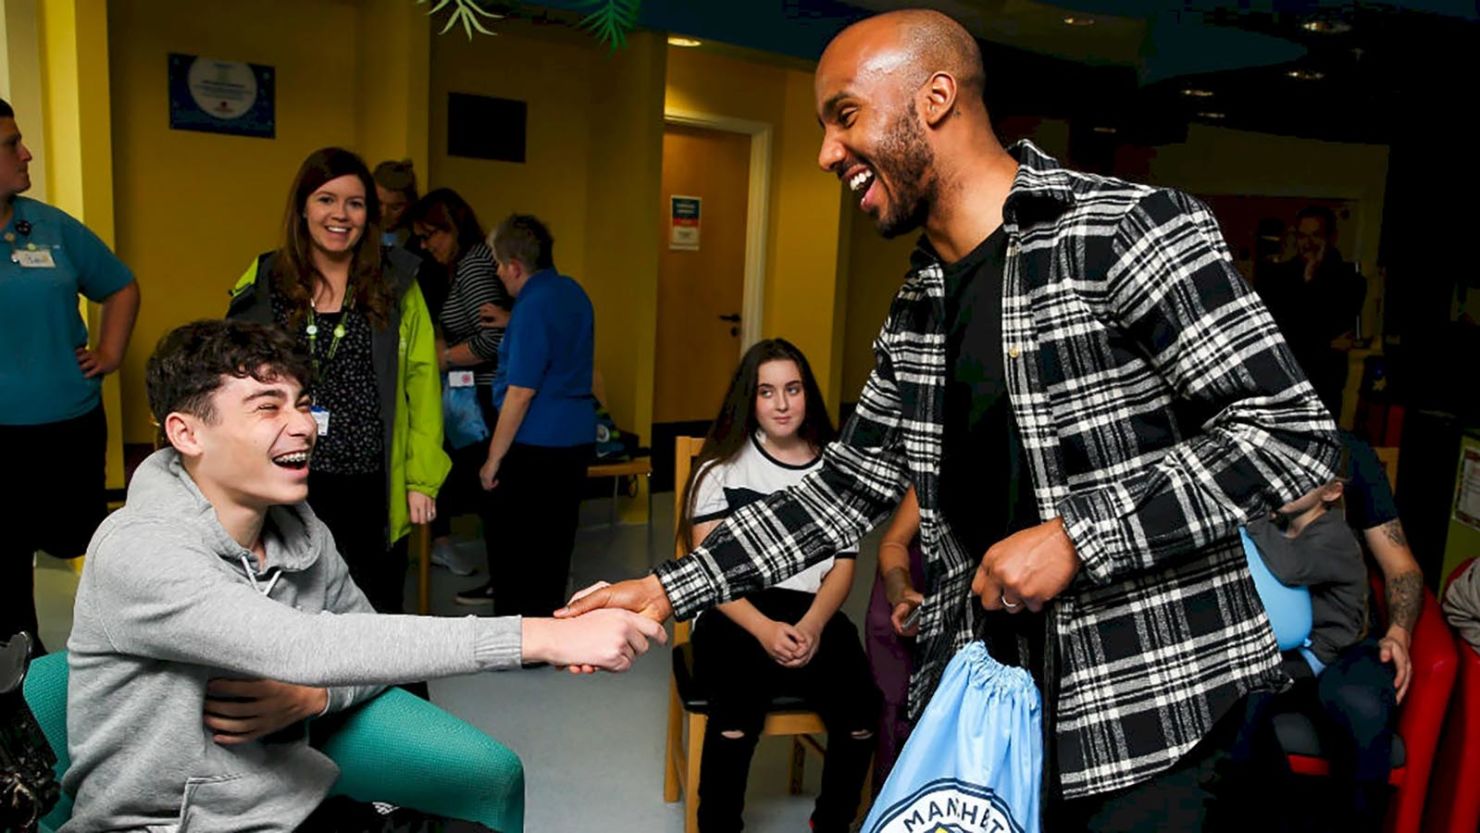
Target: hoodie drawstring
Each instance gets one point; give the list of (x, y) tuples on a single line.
[(276, 572)]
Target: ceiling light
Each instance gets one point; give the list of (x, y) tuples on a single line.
[(1106, 130), (1214, 116), (1194, 92), (1305, 74), (1079, 21), (1326, 27), (675, 40)]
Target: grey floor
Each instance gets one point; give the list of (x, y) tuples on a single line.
[(592, 746)]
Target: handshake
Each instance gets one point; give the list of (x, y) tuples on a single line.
[(600, 628)]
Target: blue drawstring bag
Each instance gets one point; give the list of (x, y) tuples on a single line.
[(462, 418), (974, 763)]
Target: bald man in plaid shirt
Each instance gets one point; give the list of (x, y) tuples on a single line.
[(1089, 402)]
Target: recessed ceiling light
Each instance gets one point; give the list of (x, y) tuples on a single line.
[(1213, 116), (1305, 74), (1079, 21), (1106, 130), (1326, 27), (1194, 92), (675, 40)]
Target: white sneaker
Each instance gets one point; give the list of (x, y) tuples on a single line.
[(445, 555)]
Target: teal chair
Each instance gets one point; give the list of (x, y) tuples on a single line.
[(396, 748)]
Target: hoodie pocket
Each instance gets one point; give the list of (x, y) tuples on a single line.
[(209, 804)]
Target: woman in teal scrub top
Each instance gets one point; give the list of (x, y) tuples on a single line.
[(51, 413)]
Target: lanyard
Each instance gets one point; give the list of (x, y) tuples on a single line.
[(313, 333)]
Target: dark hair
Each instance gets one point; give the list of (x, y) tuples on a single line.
[(445, 209), (397, 176), (737, 422), (6, 111), (295, 276), (1319, 212), (524, 238), (189, 363)]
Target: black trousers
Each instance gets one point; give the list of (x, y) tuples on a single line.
[(1351, 705), (536, 508), (1193, 795), (54, 498), (353, 506), (741, 679), (345, 815)]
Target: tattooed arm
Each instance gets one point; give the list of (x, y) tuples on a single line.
[(1404, 583)]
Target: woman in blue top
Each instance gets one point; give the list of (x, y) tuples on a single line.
[(51, 413)]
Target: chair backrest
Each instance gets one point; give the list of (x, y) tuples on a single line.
[(685, 449)]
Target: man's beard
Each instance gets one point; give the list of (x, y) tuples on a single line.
[(906, 161)]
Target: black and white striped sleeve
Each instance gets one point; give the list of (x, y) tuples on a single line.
[(478, 284)]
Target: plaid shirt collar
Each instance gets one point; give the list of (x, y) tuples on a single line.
[(1041, 189)]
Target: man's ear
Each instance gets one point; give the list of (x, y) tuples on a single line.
[(938, 98), (1332, 492), (183, 432)]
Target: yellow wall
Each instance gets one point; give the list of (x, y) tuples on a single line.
[(804, 285), (622, 222), (394, 82), (553, 77)]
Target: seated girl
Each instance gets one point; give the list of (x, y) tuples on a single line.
[(789, 639)]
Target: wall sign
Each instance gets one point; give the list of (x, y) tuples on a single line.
[(1467, 491), (683, 234), (222, 96)]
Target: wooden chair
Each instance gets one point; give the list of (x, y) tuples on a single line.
[(688, 707)]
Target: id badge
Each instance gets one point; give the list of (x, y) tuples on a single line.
[(460, 379), (321, 419), (33, 258)]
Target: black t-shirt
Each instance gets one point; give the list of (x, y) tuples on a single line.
[(986, 492), (1368, 496)]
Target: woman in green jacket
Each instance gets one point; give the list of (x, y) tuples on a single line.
[(357, 311)]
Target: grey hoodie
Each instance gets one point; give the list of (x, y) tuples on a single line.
[(166, 603)]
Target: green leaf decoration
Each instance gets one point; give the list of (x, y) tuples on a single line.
[(608, 20), (611, 20), (466, 12)]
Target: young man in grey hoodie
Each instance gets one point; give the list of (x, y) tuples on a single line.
[(214, 612)]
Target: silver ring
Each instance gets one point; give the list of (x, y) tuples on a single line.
[(1007, 604)]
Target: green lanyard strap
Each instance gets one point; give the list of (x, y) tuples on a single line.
[(313, 332)]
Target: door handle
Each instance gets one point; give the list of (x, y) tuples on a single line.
[(733, 318)]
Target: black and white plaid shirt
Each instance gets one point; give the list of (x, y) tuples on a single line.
[(1159, 408)]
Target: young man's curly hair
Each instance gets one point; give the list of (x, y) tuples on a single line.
[(189, 363)]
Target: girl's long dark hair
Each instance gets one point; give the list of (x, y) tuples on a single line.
[(737, 422), (294, 274)]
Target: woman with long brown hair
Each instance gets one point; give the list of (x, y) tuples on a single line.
[(357, 311)]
